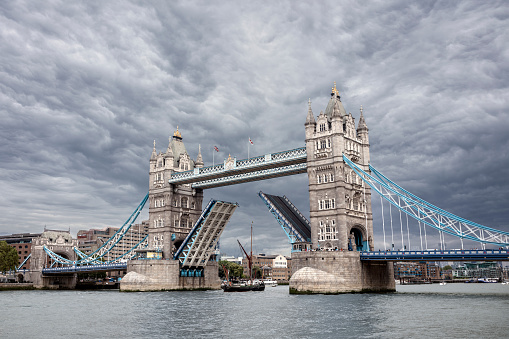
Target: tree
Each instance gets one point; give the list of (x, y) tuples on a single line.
[(235, 270), (446, 268), (8, 257)]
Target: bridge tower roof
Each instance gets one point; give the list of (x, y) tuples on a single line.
[(178, 149), (335, 106)]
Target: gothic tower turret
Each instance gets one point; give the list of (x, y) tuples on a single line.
[(340, 208), (173, 208)]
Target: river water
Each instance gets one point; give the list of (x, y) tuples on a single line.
[(414, 311)]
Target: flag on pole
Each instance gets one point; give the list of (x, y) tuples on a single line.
[(252, 143), (217, 149)]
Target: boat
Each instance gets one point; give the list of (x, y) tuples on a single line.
[(443, 283), (243, 286), (249, 285), (269, 282)]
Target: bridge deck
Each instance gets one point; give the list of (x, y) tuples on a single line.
[(85, 268), (438, 255), (199, 244), (287, 215)]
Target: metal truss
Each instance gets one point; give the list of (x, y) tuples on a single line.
[(97, 256), (427, 213), (199, 244), (287, 226), (86, 268), (229, 169), (233, 179)]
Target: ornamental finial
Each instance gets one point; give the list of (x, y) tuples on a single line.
[(177, 133), (334, 90), (361, 109)]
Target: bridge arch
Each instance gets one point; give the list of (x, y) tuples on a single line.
[(357, 238)]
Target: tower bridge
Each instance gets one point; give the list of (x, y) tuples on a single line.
[(332, 252)]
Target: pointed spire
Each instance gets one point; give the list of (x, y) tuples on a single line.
[(169, 151), (199, 159), (310, 119), (362, 123), (154, 153), (335, 106)]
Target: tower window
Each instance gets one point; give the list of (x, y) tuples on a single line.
[(322, 127)]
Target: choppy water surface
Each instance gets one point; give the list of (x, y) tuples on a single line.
[(419, 311)]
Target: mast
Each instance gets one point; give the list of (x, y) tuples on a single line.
[(251, 255)]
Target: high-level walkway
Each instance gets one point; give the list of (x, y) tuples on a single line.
[(234, 171)]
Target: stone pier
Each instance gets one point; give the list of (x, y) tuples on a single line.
[(332, 272), (164, 275)]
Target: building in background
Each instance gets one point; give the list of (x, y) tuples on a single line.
[(413, 271), (22, 242), (231, 258), (491, 270), (276, 267), (91, 240)]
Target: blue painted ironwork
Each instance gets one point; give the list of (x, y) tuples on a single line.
[(200, 220), (237, 171), (85, 268), (97, 256), (427, 213), (437, 255), (199, 244), (24, 262), (233, 179), (295, 233)]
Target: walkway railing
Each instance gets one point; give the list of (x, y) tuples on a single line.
[(85, 268), (232, 167), (437, 255)]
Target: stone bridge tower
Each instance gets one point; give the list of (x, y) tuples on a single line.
[(173, 208), (340, 209), (340, 202), (59, 242)]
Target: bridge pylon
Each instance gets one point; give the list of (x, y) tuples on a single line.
[(176, 220), (340, 208)]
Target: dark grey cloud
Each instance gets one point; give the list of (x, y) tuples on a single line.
[(85, 88)]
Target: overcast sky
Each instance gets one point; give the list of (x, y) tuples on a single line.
[(85, 88)]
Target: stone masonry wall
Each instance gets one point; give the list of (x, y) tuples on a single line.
[(338, 272), (159, 275)]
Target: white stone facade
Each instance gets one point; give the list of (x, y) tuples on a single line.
[(173, 208), (340, 203)]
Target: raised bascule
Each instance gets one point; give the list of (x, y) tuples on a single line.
[(332, 252)]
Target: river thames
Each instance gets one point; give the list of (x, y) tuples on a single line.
[(414, 311)]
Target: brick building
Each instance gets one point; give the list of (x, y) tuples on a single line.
[(22, 242), (276, 267), (416, 271)]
